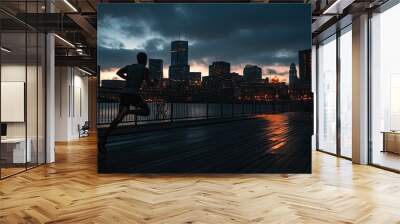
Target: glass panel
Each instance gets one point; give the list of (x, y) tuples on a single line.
[(23, 78), (31, 97), (32, 87), (13, 86), (327, 96), (346, 93), (385, 84)]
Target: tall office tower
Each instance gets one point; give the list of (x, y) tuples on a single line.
[(219, 68), (179, 52), (179, 68), (252, 74), (156, 68), (292, 76), (305, 65)]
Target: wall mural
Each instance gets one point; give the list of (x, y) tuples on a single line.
[(204, 88)]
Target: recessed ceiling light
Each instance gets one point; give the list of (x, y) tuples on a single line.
[(84, 71), (327, 11), (64, 40), (5, 50), (70, 5)]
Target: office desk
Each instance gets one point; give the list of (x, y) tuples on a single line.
[(391, 141), (13, 150)]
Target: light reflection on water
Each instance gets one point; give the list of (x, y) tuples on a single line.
[(277, 131)]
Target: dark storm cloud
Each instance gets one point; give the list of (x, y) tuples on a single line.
[(109, 57), (237, 33), (155, 45)]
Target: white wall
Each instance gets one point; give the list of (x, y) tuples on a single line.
[(10, 73), (62, 82), (15, 72), (33, 127), (71, 102)]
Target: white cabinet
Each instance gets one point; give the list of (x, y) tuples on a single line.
[(17, 146)]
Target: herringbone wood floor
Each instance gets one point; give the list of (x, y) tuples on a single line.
[(71, 191)]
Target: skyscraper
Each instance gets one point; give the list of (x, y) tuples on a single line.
[(179, 68), (219, 68), (305, 65), (179, 52), (156, 68), (252, 74), (292, 76)]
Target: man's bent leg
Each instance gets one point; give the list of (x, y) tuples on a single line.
[(123, 111), (141, 109)]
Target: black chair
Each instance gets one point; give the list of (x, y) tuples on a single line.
[(84, 130)]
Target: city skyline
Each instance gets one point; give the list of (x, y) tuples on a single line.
[(250, 40)]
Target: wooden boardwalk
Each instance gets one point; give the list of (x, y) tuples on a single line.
[(277, 143)]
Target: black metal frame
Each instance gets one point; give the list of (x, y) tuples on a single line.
[(387, 5), (338, 152), (338, 93), (44, 80), (369, 115)]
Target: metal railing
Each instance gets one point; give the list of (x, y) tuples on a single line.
[(178, 111)]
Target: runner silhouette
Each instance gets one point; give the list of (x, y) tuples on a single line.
[(134, 75)]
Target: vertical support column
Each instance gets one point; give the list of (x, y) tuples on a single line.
[(338, 98), (50, 99), (360, 90), (50, 92)]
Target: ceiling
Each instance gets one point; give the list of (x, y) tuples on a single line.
[(75, 21)]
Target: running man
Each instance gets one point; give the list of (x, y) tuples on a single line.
[(134, 75)]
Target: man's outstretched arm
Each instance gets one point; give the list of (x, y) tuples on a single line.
[(122, 72)]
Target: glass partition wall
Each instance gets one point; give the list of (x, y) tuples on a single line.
[(22, 78), (385, 89), (334, 94), (345, 92), (326, 99)]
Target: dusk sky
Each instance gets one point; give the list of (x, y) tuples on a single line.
[(267, 35)]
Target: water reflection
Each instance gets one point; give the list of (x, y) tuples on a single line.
[(276, 132)]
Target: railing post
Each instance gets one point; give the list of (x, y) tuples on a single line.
[(233, 108), (135, 119), (273, 106), (207, 110), (172, 112), (187, 110)]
